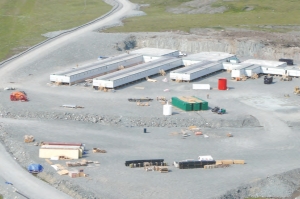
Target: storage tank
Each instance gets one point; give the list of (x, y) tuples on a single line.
[(167, 109), (222, 84)]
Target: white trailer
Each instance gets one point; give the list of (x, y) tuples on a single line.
[(196, 70), (255, 69), (293, 72), (273, 70), (241, 70), (134, 73), (95, 69)]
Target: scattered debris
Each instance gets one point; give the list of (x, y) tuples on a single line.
[(71, 106), (63, 172), (162, 72), (206, 136), (77, 173), (97, 150), (229, 135), (28, 138), (48, 161), (77, 164), (150, 80), (286, 95), (145, 99), (165, 80), (254, 76), (142, 104), (198, 133), (9, 88), (286, 78), (297, 90), (166, 90)]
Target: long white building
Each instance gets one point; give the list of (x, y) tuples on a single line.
[(91, 70), (196, 70), (134, 73)]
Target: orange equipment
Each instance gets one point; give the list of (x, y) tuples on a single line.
[(18, 95)]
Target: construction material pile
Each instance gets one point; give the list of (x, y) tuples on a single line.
[(18, 96), (97, 150), (28, 138)]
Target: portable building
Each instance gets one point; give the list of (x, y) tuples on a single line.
[(211, 56), (293, 72), (273, 70), (241, 70), (254, 69), (196, 70), (72, 152), (134, 73), (156, 52), (91, 70), (266, 63)]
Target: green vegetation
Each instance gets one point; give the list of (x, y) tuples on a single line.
[(1, 197), (240, 13), (23, 21)]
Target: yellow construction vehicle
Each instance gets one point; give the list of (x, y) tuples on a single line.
[(297, 90)]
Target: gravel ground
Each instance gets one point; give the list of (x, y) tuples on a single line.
[(264, 124)]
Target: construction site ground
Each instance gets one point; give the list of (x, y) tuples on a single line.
[(264, 124)]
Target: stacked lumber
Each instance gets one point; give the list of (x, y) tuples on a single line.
[(214, 166), (76, 164), (97, 150), (28, 138), (219, 162)]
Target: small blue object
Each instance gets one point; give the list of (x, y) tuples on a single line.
[(8, 183), (35, 168)]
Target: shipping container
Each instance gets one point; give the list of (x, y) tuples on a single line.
[(204, 104), (181, 104), (191, 164)]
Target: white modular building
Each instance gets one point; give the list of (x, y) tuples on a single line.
[(240, 70), (134, 73), (211, 56), (254, 69), (156, 52), (273, 70), (293, 72), (91, 70), (267, 63), (196, 70)]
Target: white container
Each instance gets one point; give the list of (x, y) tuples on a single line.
[(205, 157), (167, 109)]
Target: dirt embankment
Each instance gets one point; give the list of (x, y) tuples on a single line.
[(243, 43)]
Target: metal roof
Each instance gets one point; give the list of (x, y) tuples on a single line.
[(267, 63), (98, 64), (193, 67), (137, 69), (209, 56), (153, 51)]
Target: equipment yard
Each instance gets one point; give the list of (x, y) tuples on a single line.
[(254, 138)]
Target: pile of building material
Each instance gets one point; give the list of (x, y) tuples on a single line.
[(28, 138), (97, 150), (230, 162), (161, 169), (142, 163), (77, 173), (77, 164), (214, 166), (61, 149)]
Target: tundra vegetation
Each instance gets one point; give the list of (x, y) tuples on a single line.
[(23, 22)]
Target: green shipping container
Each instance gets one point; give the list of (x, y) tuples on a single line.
[(181, 104), (204, 104), (197, 106)]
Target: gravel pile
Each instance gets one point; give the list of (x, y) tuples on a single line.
[(277, 186), (241, 121)]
